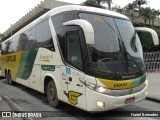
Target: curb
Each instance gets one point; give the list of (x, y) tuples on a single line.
[(154, 99), (14, 106)]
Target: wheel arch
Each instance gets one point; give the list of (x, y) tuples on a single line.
[(48, 78)]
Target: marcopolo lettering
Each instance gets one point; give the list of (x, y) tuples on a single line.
[(120, 85)]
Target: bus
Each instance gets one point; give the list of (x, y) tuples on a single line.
[(88, 57)]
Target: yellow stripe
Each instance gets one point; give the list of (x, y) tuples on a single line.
[(44, 60), (11, 62), (122, 84), (112, 84)]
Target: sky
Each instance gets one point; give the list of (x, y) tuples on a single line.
[(13, 10)]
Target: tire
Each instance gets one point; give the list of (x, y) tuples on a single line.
[(9, 80), (52, 95)]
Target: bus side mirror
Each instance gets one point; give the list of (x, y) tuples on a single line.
[(151, 31), (86, 27)]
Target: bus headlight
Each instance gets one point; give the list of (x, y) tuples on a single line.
[(103, 90), (96, 88)]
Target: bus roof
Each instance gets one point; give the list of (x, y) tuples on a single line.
[(86, 9)]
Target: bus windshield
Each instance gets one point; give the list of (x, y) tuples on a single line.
[(117, 48)]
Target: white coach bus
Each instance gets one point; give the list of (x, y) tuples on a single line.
[(88, 57)]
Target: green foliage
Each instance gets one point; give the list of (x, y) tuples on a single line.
[(119, 9), (131, 6), (157, 30), (91, 1), (146, 39), (97, 3), (141, 2)]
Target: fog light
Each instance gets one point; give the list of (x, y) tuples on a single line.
[(101, 104)]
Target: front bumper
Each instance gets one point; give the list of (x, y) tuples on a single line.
[(111, 102)]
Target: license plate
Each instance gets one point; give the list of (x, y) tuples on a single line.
[(129, 100)]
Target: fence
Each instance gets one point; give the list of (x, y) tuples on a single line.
[(152, 61)]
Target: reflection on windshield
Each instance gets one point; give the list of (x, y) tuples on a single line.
[(132, 45), (117, 48)]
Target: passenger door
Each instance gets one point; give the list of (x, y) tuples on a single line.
[(76, 90)]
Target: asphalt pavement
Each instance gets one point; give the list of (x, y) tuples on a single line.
[(154, 86), (6, 106)]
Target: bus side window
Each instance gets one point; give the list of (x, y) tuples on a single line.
[(74, 53), (23, 41), (31, 38), (14, 44), (43, 36)]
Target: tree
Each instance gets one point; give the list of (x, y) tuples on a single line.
[(131, 8), (89, 2), (140, 3), (98, 3), (158, 14), (106, 1), (119, 9), (92, 3), (153, 15), (146, 13)]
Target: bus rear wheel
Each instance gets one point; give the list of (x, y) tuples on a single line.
[(52, 94), (9, 80)]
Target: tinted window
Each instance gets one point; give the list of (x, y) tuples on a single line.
[(74, 55), (107, 42), (23, 42), (60, 29), (10, 46), (43, 36), (26, 40), (13, 44), (31, 38), (5, 48)]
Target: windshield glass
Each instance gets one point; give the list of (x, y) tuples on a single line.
[(117, 48)]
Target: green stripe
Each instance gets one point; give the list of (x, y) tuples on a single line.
[(26, 64), (139, 81)]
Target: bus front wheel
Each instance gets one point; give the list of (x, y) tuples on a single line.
[(52, 94)]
